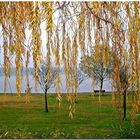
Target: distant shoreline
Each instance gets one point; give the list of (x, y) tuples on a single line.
[(105, 93)]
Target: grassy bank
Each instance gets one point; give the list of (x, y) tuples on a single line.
[(19, 119)]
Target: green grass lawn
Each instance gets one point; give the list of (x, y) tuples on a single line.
[(19, 119)]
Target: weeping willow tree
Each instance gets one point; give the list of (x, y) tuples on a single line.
[(72, 29)]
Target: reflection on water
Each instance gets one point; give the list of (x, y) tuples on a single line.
[(86, 86)]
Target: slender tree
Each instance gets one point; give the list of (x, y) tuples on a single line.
[(124, 77), (90, 66), (79, 80), (46, 80)]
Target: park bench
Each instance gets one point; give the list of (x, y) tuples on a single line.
[(99, 91)]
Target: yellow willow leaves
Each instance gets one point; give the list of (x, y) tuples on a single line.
[(28, 92), (19, 23), (97, 39), (138, 101), (49, 13), (48, 59), (135, 109), (127, 9), (70, 67), (113, 93), (63, 42), (57, 55), (75, 52), (57, 62), (96, 6), (81, 32), (134, 50), (97, 51), (115, 76), (133, 72), (106, 47), (136, 9), (89, 32), (36, 33), (116, 53), (22, 16), (74, 77), (71, 108), (67, 67), (48, 50), (31, 14), (19, 48), (6, 65), (136, 36), (12, 49), (18, 63), (5, 13), (105, 54)]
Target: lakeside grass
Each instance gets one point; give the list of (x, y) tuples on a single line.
[(19, 119)]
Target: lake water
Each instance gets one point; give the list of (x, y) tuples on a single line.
[(86, 86)]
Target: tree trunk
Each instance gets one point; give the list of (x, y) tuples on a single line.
[(101, 85), (46, 100), (124, 104)]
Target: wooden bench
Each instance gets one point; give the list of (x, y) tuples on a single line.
[(97, 91)]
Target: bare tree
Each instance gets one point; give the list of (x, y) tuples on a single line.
[(90, 66), (81, 77), (46, 80), (124, 76)]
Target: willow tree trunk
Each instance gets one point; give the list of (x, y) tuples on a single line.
[(46, 100), (124, 104)]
